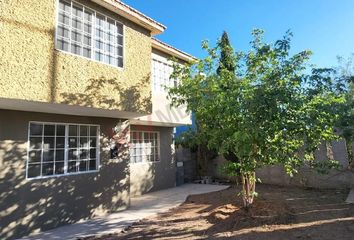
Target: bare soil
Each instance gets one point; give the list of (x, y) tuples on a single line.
[(278, 213)]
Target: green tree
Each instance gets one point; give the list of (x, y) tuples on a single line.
[(226, 60), (226, 63), (199, 141), (268, 111), (345, 85)]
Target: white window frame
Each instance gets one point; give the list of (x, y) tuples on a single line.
[(158, 146), (66, 149), (92, 58), (159, 86)]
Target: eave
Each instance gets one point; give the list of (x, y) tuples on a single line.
[(174, 52), (133, 15)]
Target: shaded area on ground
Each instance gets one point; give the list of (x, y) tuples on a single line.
[(279, 213), (141, 207)]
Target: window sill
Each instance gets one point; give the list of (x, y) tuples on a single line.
[(62, 175), (141, 163), (89, 59)]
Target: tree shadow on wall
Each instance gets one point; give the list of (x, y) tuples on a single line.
[(38, 205), (123, 98), (41, 204)]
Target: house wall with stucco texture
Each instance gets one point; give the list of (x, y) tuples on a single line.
[(33, 205), (31, 69)]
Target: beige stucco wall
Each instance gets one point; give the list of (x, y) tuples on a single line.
[(31, 69)]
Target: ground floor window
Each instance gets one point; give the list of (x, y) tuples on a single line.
[(59, 149), (144, 147)]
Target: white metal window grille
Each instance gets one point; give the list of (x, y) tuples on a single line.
[(85, 32), (144, 147), (161, 73), (58, 149)]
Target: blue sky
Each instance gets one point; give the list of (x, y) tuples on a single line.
[(324, 26)]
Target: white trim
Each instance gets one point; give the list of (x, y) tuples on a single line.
[(65, 123), (163, 59), (62, 175), (93, 25), (66, 149), (161, 77), (168, 49), (91, 60), (144, 163), (132, 14), (28, 147)]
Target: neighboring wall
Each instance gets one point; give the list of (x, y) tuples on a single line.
[(151, 176), (342, 178), (41, 204), (189, 161), (31, 69)]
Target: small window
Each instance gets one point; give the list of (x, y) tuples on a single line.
[(85, 32), (161, 76), (144, 147), (58, 149)]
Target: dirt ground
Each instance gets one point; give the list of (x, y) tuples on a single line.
[(278, 213)]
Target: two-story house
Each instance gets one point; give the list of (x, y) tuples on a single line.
[(71, 74)]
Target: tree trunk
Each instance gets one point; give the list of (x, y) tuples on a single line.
[(248, 188)]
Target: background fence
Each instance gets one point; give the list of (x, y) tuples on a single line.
[(307, 177)]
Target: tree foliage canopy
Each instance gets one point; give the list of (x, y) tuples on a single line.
[(344, 78), (226, 60), (345, 84), (267, 111)]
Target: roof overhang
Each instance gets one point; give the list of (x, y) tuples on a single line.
[(43, 107), (132, 14), (168, 49), (158, 123)]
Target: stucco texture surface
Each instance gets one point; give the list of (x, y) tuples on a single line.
[(152, 176), (31, 69), (30, 205)]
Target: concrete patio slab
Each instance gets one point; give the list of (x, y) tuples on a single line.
[(350, 198), (141, 207)]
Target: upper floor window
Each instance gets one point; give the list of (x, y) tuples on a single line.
[(161, 75), (85, 32)]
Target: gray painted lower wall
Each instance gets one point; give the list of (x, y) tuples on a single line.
[(36, 205), (147, 177), (28, 206)]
